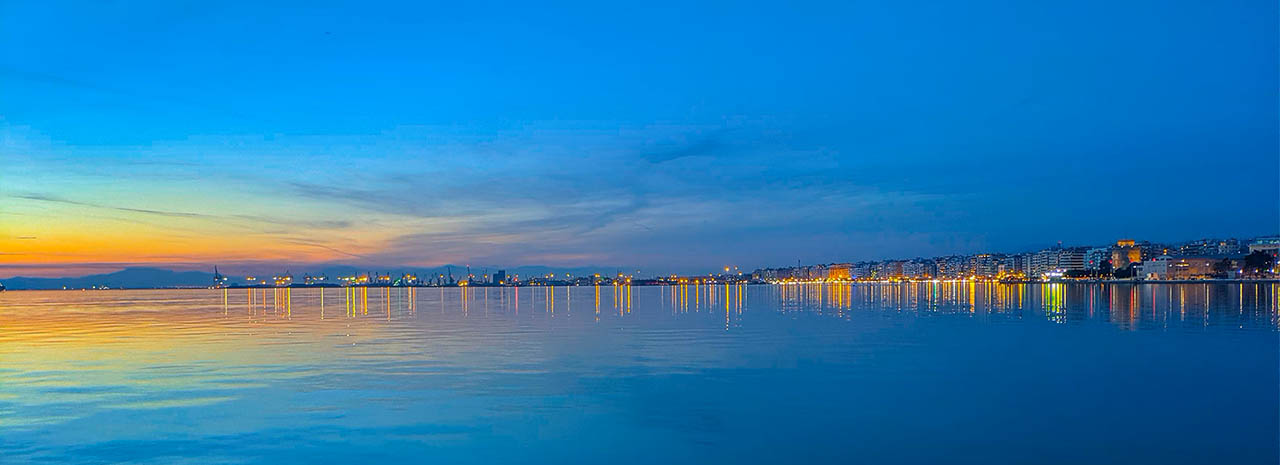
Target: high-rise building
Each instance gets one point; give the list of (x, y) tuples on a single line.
[(862, 270), (1044, 261), (890, 269), (1071, 258), (955, 266), (1094, 257), (1017, 264), (985, 265), (919, 269)]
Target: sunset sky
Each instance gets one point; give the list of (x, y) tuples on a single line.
[(655, 135)]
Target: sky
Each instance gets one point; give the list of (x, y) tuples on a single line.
[(666, 137)]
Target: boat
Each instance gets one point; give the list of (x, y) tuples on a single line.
[(1, 287)]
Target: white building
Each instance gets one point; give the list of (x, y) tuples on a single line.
[(1156, 268)]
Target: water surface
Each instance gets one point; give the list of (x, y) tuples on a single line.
[(873, 373)]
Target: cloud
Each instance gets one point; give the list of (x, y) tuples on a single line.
[(240, 219), (598, 193), (319, 245), (700, 148), (428, 196), (56, 199), (308, 224)]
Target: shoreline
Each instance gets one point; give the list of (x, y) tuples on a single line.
[(846, 283)]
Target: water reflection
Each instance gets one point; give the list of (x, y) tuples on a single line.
[(1239, 305), (706, 372), (1149, 306)]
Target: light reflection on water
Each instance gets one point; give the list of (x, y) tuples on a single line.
[(1242, 305), (911, 373)]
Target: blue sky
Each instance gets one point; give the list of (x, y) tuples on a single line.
[(657, 135)]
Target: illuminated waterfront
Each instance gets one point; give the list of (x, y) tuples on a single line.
[(923, 372)]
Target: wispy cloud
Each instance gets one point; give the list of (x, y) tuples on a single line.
[(56, 199), (703, 147), (426, 196), (298, 223), (245, 220), (319, 245)]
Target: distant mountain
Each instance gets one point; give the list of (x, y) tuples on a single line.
[(460, 271), (126, 278), (135, 278)]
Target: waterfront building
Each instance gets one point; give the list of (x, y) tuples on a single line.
[(1057, 260), (889, 270), (840, 271), (918, 269), (1188, 267), (1211, 247), (1071, 258), (1094, 257), (1126, 251), (1016, 264), (772, 274), (1220, 258), (1044, 261), (1156, 268), (1230, 247), (955, 266), (985, 265), (1005, 268), (862, 270), (1269, 245), (1200, 267)]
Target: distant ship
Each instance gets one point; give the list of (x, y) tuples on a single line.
[(1, 287)]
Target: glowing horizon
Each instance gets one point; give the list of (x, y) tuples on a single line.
[(404, 137)]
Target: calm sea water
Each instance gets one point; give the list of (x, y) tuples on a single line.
[(870, 373)]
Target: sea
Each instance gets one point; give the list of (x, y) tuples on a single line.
[(897, 373)]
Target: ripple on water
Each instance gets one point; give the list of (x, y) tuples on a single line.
[(986, 373)]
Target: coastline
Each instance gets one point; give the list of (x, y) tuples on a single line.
[(754, 283)]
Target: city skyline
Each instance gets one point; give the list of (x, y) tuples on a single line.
[(1125, 259), (419, 136)]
